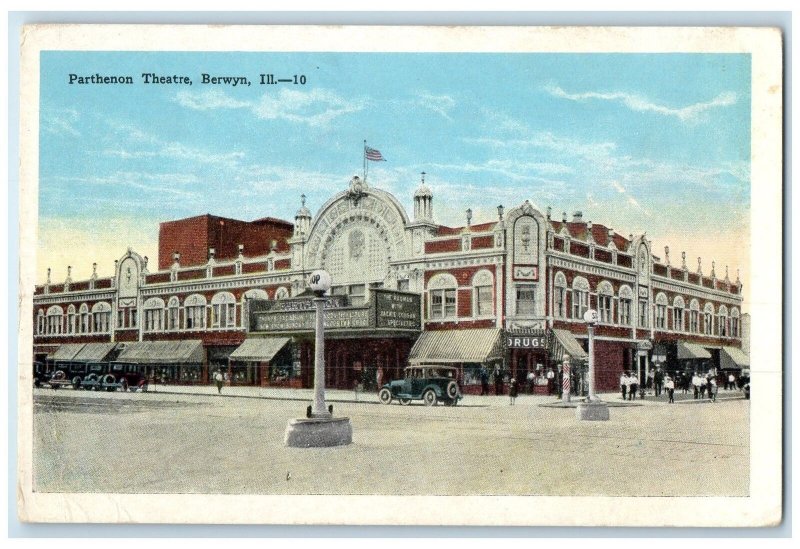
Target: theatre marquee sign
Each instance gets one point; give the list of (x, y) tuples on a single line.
[(387, 311)]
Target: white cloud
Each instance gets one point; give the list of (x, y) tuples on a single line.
[(640, 104), (617, 187), (60, 121), (440, 104), (208, 100), (317, 107)]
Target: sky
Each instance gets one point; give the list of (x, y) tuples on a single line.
[(655, 143)]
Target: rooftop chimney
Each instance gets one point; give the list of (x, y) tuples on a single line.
[(577, 217), (563, 217)]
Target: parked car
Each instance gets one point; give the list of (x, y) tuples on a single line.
[(40, 374), (431, 383)]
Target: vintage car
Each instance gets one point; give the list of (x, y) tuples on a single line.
[(432, 383)]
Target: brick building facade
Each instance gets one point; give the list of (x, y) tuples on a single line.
[(515, 288)]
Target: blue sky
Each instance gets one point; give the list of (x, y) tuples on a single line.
[(640, 142)]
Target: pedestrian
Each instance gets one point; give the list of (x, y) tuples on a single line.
[(633, 387), (498, 381), (550, 381), (484, 380), (712, 388), (531, 378), (731, 382), (659, 379), (219, 379), (670, 386), (623, 384), (512, 390), (696, 385), (703, 386)]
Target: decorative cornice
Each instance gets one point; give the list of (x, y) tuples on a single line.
[(679, 286), (557, 259), (61, 297)]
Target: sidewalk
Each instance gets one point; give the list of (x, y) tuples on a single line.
[(370, 397)]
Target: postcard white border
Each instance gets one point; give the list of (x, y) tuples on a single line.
[(761, 508)]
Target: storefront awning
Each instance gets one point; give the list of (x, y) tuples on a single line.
[(568, 345), (94, 352), (67, 351), (733, 358), (259, 349), (473, 345), (163, 352), (688, 350)]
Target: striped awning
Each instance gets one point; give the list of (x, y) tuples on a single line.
[(259, 349), (453, 346), (95, 352), (688, 350), (67, 351), (733, 358), (163, 352), (568, 345)]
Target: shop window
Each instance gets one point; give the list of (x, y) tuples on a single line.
[(40, 323), (101, 317), (55, 319), (357, 294), (734, 326), (195, 317), (722, 324), (661, 316), (708, 324), (85, 320), (678, 308), (153, 319)]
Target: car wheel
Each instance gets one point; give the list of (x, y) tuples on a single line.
[(385, 396), (76, 382), (405, 401), (452, 390), (429, 398)]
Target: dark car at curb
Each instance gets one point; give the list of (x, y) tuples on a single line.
[(430, 383)]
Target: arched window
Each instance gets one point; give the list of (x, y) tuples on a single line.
[(625, 304), (40, 322), (560, 295), (722, 322), (708, 319), (281, 293), (223, 310), (85, 321), (580, 297), (661, 311), (101, 317), (605, 301), (735, 328), (483, 294), (194, 312), (173, 313), (255, 293), (71, 319), (154, 314), (55, 317), (694, 316), (678, 306), (442, 296)]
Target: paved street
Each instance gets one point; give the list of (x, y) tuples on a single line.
[(191, 440)]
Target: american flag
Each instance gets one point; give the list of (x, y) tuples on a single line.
[(373, 154)]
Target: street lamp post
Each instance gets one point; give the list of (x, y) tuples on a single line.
[(319, 428), (593, 409)]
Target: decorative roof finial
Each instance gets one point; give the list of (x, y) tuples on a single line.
[(726, 274), (549, 212), (683, 260), (666, 254), (48, 275), (500, 211), (423, 177), (713, 269), (469, 217), (699, 266)]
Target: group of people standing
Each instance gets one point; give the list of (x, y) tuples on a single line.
[(629, 385), (702, 385)]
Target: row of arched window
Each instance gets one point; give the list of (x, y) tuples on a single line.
[(572, 302), (81, 320), (194, 313)]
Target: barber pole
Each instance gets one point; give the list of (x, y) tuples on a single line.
[(566, 385)]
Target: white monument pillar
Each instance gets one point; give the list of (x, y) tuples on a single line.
[(593, 409)]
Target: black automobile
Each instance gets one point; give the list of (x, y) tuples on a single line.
[(431, 383), (40, 374)]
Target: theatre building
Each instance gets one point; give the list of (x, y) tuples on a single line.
[(507, 295)]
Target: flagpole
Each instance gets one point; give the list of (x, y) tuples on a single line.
[(365, 161)]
